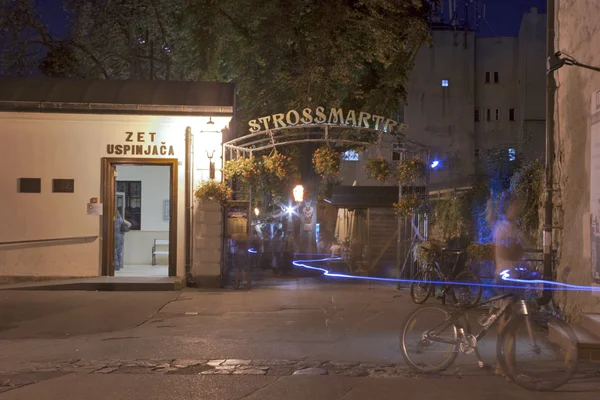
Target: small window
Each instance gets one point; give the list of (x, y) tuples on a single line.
[(445, 82), (132, 192), (30, 185), (487, 77), (512, 154), (488, 114), (396, 154), (497, 115), (63, 185), (496, 77), (350, 155), (476, 115), (511, 114)]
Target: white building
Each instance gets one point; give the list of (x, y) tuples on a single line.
[(69, 143), (468, 96)]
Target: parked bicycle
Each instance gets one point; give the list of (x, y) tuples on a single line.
[(450, 328), (426, 280)]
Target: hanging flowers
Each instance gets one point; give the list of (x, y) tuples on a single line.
[(244, 168), (409, 171), (409, 205), (378, 168), (326, 161), (276, 164), (213, 191)]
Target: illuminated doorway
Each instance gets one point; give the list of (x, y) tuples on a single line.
[(140, 217)]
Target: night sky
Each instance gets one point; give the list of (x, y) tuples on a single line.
[(503, 16)]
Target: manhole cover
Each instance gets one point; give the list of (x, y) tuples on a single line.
[(311, 371)]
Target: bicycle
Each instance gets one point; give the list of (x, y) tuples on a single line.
[(461, 340), (423, 285)]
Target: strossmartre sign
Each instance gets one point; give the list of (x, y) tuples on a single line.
[(335, 116)]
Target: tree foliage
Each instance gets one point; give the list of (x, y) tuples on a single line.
[(281, 53)]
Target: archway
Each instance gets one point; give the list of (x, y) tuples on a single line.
[(410, 229)]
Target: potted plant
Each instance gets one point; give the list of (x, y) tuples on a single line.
[(213, 191), (409, 171), (408, 205), (378, 168), (244, 168), (276, 164), (326, 161)]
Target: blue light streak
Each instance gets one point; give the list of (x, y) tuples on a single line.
[(504, 275)]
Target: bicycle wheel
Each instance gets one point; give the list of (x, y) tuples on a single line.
[(429, 330), (469, 294), (534, 355), (421, 287)]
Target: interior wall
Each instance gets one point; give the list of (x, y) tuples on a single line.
[(155, 190)]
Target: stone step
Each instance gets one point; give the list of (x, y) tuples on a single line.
[(591, 322), (588, 344)]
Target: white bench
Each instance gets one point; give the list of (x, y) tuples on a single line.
[(159, 243)]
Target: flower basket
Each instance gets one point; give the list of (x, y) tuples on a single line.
[(213, 191), (326, 161), (276, 165), (409, 205), (244, 168), (409, 171), (378, 168)]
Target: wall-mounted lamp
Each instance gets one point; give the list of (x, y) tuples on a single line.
[(210, 121), (257, 211), (211, 168)]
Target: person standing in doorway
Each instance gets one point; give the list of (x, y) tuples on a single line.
[(122, 226)]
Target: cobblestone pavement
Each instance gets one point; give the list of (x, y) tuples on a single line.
[(30, 373)]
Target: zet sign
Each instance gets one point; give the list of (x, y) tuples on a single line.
[(335, 116)]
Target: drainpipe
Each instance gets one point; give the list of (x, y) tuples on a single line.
[(546, 296), (188, 206)]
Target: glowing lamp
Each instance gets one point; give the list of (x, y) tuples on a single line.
[(435, 164), (298, 193), (257, 211)]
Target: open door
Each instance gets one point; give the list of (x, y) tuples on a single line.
[(109, 184)]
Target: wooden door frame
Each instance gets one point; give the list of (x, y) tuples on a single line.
[(108, 193)]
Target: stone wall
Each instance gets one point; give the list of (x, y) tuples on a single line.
[(577, 34), (208, 223)]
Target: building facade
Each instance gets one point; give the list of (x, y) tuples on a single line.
[(577, 144), (76, 151), (469, 98)]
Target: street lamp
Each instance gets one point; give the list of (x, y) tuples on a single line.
[(298, 193), (257, 211)]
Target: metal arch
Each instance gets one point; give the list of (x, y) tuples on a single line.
[(267, 139)]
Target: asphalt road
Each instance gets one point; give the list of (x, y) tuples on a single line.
[(229, 345)]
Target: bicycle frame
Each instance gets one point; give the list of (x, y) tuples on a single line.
[(455, 320), (463, 331)]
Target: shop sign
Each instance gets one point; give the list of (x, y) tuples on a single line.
[(140, 144), (334, 116)]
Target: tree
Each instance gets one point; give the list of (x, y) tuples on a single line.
[(298, 53), (281, 53)]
